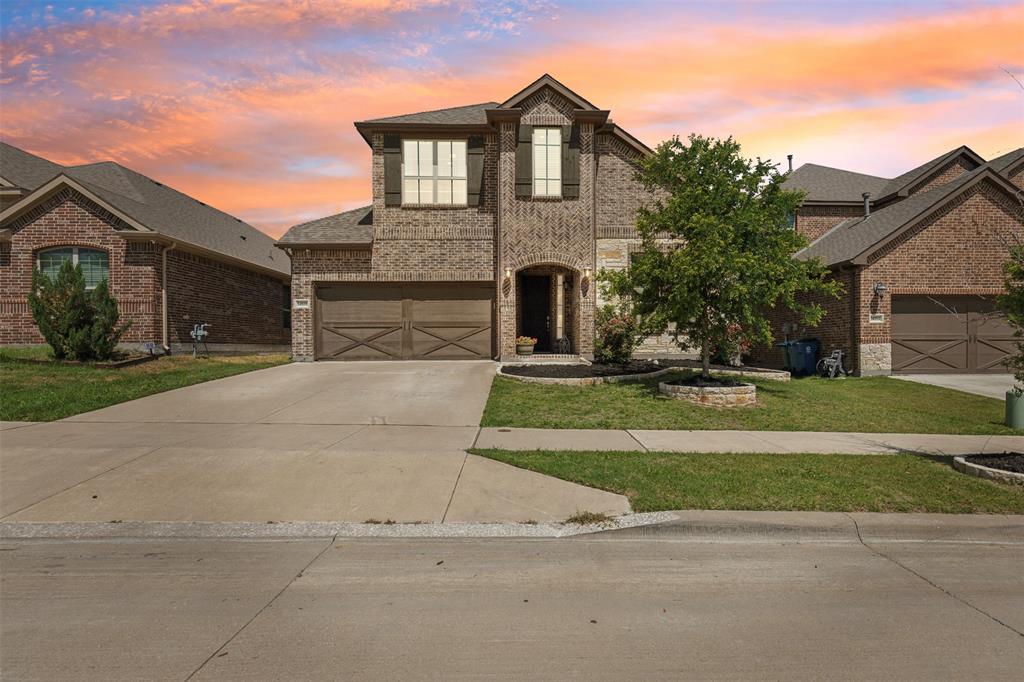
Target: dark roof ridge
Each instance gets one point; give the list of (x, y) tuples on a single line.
[(385, 119)]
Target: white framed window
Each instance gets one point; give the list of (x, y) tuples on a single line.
[(434, 172), (95, 263), (547, 162)]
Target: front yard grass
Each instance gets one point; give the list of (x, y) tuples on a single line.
[(45, 392), (865, 404), (790, 482)]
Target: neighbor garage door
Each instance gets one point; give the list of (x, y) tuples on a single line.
[(933, 334), (421, 321)]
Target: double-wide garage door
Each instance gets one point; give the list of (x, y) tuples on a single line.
[(935, 334), (409, 321)]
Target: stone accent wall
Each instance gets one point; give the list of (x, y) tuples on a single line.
[(547, 231), (875, 358), (68, 219), (614, 254), (242, 306), (813, 221)]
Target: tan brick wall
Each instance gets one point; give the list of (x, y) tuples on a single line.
[(546, 231), (68, 219), (947, 173), (814, 221)]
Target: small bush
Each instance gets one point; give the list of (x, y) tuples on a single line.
[(77, 324), (618, 335)]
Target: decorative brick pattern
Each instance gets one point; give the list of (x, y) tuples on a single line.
[(619, 194)]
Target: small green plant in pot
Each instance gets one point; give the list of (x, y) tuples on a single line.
[(1011, 303), (525, 344)]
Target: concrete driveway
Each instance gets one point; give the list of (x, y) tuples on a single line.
[(989, 385), (299, 442)]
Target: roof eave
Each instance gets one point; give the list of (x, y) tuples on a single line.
[(337, 246), (367, 128), (179, 245), (628, 139)]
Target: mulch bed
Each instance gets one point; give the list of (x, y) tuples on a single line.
[(581, 371), (598, 370), (713, 382), (1008, 461)]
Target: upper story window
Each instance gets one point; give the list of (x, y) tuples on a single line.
[(95, 263), (434, 172), (547, 162)]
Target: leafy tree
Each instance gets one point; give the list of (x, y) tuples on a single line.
[(1011, 303), (76, 323), (730, 257)]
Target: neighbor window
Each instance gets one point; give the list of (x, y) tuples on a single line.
[(434, 172), (547, 162), (95, 263), (286, 307)]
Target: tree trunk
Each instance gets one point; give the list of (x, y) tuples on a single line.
[(705, 359)]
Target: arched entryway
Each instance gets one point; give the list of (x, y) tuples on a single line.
[(547, 307)]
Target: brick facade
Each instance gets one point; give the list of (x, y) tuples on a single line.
[(812, 221), (244, 307), (958, 251)]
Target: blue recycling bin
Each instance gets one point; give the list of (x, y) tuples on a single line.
[(805, 356)]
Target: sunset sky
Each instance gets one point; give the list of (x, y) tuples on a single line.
[(249, 106)]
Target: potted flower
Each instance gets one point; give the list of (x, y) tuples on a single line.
[(525, 344)]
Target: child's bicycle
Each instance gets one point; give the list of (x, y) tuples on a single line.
[(832, 366)]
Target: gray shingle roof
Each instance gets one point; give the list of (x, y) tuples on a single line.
[(854, 236), (350, 227), (168, 212), (470, 114), (1004, 162), (822, 183), (911, 176), (25, 170)]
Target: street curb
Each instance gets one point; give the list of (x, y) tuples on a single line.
[(684, 525), (313, 529)]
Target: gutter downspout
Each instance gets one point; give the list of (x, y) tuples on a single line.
[(163, 296)]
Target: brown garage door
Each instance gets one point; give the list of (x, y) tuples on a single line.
[(934, 334), (391, 321)]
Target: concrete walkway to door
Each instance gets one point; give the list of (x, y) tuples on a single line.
[(299, 442)]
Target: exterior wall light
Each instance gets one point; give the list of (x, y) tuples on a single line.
[(880, 289)]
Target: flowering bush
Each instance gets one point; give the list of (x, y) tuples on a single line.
[(618, 335), (731, 349), (526, 341)]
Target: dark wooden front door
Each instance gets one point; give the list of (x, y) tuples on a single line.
[(537, 310), (944, 334), (391, 321)]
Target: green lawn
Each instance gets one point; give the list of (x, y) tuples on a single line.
[(876, 483), (871, 404), (35, 392)]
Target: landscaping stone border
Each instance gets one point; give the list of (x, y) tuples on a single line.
[(716, 396), (770, 374), (971, 469)]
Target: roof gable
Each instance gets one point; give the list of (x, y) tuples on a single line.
[(902, 184), (546, 81), (854, 240), (22, 169)]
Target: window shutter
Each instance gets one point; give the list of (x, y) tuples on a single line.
[(524, 162), (571, 161), (392, 170), (474, 169)]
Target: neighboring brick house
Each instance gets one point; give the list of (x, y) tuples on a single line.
[(488, 221), (171, 261), (920, 258)]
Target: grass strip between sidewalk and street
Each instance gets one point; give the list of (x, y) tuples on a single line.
[(31, 391), (774, 482), (857, 404)]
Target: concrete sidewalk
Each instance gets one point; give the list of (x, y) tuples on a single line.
[(745, 441)]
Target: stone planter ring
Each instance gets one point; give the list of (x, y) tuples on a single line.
[(717, 396)]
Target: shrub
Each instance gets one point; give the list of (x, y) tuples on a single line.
[(77, 324), (618, 335)]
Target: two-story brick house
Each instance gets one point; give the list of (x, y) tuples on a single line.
[(488, 221), (920, 257)]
